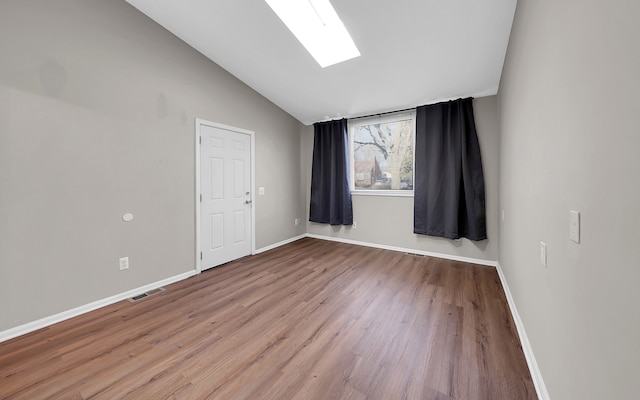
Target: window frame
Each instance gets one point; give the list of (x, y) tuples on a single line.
[(384, 118)]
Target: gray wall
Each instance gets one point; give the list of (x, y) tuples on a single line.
[(569, 113), (389, 220), (97, 109)]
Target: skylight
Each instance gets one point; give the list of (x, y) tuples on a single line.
[(319, 29)]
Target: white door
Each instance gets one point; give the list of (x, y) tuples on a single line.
[(225, 184)]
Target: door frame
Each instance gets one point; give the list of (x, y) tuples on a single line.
[(199, 123)]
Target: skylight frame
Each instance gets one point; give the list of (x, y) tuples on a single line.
[(318, 28)]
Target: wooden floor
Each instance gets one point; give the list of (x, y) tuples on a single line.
[(309, 320)]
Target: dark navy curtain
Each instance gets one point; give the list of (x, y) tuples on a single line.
[(330, 192), (449, 183)]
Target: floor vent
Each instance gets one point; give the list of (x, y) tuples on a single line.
[(414, 254), (144, 295)]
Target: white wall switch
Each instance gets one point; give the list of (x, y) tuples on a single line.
[(543, 254), (261, 191), (296, 221), (124, 263), (574, 226)]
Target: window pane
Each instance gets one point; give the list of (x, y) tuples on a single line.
[(383, 155)]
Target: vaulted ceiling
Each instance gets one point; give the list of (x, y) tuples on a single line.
[(414, 52)]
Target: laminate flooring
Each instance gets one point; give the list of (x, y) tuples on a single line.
[(309, 320)]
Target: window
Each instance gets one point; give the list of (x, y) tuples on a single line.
[(382, 151)]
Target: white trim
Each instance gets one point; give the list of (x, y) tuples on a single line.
[(197, 196), (536, 376), (406, 250), (380, 246), (389, 193), (352, 124), (74, 312), (253, 192), (199, 122), (275, 245)]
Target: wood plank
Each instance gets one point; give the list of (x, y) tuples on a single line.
[(309, 320)]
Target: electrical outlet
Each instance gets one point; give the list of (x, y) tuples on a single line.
[(543, 254), (355, 224), (124, 263)]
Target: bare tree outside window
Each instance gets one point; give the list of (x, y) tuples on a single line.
[(383, 155)]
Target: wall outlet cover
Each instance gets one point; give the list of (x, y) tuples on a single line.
[(543, 254), (574, 226)]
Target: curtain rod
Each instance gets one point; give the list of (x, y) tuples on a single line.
[(384, 113), (396, 111)]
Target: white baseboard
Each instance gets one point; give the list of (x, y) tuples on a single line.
[(275, 245), (74, 312), (536, 376), (526, 346), (405, 250)]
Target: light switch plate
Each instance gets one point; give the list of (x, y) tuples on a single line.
[(574, 226), (543, 254), (260, 190)]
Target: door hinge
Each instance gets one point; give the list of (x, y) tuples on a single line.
[(200, 139), (201, 255), (200, 197)]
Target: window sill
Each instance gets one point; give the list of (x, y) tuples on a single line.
[(386, 193)]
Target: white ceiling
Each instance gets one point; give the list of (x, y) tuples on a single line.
[(414, 52)]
